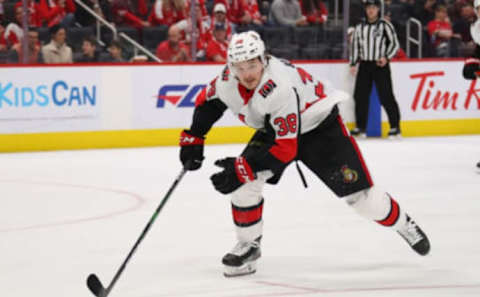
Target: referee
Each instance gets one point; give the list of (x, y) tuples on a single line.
[(374, 44)]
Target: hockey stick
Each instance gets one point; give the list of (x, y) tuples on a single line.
[(93, 282)]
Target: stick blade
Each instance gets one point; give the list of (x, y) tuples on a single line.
[(95, 286)]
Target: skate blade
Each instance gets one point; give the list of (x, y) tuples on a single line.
[(395, 137), (245, 269), (360, 136)]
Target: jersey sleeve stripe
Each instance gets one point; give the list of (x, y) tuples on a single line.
[(201, 98)]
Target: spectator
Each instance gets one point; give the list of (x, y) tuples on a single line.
[(220, 17), (237, 11), (173, 49), (315, 11), (455, 9), (35, 56), (287, 13), (218, 45), (57, 51), (129, 13), (201, 4), (461, 30), (167, 12), (202, 33), (440, 32), (36, 12), (89, 51), (462, 25), (60, 12), (254, 13), (14, 32), (264, 8), (115, 53)]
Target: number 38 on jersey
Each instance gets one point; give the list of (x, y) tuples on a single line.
[(285, 125)]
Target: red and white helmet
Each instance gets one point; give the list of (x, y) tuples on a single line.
[(245, 46)]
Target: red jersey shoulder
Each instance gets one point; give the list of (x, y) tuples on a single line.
[(212, 88), (207, 93)]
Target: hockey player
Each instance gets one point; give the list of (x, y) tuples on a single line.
[(296, 118), (471, 69)]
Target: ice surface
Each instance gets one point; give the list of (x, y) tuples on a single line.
[(66, 214)]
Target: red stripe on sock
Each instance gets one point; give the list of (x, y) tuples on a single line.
[(247, 216), (392, 217), (357, 150)]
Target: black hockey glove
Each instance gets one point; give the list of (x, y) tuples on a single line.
[(191, 150), (236, 172)]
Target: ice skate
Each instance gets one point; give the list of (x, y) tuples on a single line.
[(242, 259), (394, 133), (415, 237), (358, 133)]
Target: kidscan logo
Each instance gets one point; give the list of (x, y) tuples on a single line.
[(58, 94), (178, 95)]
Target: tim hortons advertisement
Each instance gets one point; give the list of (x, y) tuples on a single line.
[(433, 90), (48, 100)]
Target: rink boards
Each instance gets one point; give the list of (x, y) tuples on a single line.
[(101, 106)]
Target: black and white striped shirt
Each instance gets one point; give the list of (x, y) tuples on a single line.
[(372, 41)]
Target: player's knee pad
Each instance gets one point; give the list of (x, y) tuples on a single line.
[(371, 203)]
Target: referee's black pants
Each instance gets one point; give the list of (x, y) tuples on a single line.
[(369, 72)]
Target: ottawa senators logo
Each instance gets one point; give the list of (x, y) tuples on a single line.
[(349, 175)]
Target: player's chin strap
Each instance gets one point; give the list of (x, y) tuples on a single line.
[(300, 172)]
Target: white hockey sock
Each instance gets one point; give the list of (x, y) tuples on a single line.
[(247, 209), (379, 206)]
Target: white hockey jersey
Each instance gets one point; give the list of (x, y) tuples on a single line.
[(285, 94)]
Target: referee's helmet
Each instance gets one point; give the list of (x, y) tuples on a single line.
[(375, 2)]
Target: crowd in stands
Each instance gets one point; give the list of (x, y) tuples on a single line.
[(61, 31), (446, 24)]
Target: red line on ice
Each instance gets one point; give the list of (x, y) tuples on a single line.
[(138, 198)]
